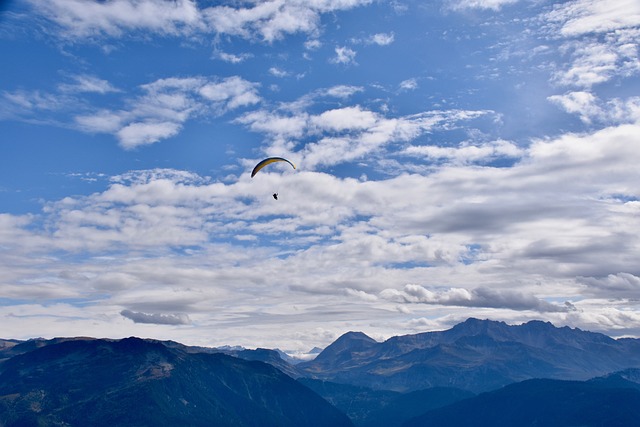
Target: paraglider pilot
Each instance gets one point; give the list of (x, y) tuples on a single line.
[(266, 162)]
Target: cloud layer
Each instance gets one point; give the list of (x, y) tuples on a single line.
[(483, 164)]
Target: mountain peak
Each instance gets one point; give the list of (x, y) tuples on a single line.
[(348, 349), (353, 335), (473, 326), (355, 341)]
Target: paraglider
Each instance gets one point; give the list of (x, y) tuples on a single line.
[(268, 161)]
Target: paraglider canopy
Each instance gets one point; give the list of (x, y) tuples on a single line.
[(268, 161)]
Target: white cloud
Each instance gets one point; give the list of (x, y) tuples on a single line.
[(382, 39), (611, 53), (165, 105), (277, 72), (231, 57), (80, 19), (594, 63), (312, 44), (342, 91), (349, 133), (447, 221), (344, 55), (580, 17), (582, 103), (514, 243), (409, 84), (28, 104), (231, 92), (590, 109), (275, 124), (87, 83), (272, 20), (349, 119), (268, 21), (136, 134), (479, 4), (101, 121), (468, 153)]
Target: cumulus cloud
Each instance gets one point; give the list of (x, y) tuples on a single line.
[(382, 39), (468, 153), (595, 60), (580, 17), (273, 19), (591, 109), (543, 228), (80, 19), (507, 229), (158, 111), (344, 56), (157, 318), (230, 93), (353, 132), (165, 104), (409, 84), (592, 64), (268, 21), (136, 134), (277, 72), (341, 91)]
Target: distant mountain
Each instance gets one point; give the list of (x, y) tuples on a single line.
[(272, 357), (540, 402), (476, 355), (629, 378), (344, 353), (142, 382)]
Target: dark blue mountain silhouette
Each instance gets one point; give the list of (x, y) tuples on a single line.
[(140, 382), (541, 402)]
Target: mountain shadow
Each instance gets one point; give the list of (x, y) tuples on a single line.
[(541, 402), (383, 408)]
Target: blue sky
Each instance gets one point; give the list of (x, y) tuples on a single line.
[(457, 158)]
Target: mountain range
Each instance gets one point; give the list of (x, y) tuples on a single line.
[(476, 355), (478, 373)]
